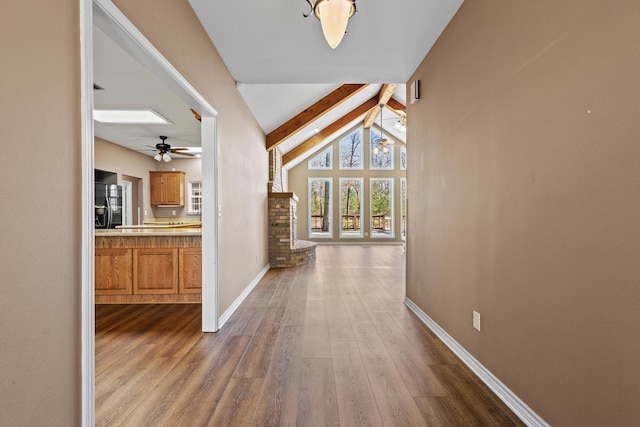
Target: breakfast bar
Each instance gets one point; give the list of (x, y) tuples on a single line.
[(148, 265)]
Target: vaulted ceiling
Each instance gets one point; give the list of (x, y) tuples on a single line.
[(299, 89)]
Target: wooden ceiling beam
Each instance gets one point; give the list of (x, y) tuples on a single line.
[(329, 130), (386, 91), (396, 106), (312, 113)]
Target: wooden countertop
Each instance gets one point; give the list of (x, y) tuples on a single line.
[(150, 231)]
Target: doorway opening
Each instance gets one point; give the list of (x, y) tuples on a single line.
[(109, 19)]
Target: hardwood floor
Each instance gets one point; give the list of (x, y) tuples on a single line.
[(330, 344)]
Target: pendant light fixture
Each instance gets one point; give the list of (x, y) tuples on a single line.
[(333, 16)]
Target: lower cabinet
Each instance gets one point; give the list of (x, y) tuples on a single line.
[(155, 271), (148, 275), (190, 270), (113, 268)]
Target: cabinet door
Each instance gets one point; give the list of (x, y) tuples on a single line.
[(174, 188), (157, 189), (155, 271), (113, 271), (190, 270)]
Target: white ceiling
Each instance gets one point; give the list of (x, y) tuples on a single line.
[(267, 42), (281, 62), (128, 85)]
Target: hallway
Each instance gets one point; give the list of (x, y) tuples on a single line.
[(330, 344)]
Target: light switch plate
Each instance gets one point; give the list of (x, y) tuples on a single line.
[(476, 320)]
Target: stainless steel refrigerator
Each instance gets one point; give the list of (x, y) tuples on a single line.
[(108, 205)]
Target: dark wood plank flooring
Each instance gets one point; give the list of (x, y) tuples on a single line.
[(329, 344)]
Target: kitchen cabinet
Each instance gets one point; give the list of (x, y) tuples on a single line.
[(155, 271), (190, 278), (167, 188), (113, 271), (152, 267)]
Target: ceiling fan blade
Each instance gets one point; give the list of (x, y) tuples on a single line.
[(181, 152)]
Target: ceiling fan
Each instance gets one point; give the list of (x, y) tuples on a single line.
[(383, 143), (164, 149)]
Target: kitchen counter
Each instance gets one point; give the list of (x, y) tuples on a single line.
[(150, 231), (148, 265)]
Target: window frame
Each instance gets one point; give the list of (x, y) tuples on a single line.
[(403, 150), (360, 234), (331, 161), (377, 235), (190, 197), (359, 129), (311, 233)]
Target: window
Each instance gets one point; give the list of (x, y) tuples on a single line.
[(381, 207), (194, 196), (351, 150), (322, 160), (350, 207), (320, 207), (381, 155), (403, 158)]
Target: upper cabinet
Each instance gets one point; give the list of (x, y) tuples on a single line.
[(167, 188)]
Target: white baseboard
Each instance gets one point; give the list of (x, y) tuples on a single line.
[(514, 403), (227, 314)]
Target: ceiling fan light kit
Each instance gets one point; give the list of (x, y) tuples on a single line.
[(163, 148), (334, 16)]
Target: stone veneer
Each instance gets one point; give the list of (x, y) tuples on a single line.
[(275, 171), (285, 250)]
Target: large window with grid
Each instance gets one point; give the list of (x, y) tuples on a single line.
[(320, 209), (381, 192), (350, 207), (351, 150), (322, 160)]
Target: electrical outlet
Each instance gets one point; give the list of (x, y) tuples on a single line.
[(173, 213), (366, 234), (476, 320)]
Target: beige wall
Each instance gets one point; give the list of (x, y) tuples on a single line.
[(115, 158), (40, 224), (524, 193), (40, 319), (298, 183), (176, 32)]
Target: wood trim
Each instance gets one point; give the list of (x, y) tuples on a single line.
[(396, 106), (329, 130), (371, 116), (312, 113), (386, 91)]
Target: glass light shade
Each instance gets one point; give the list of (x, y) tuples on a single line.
[(385, 149), (334, 15), (400, 125), (166, 157), (158, 157), (376, 150)]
